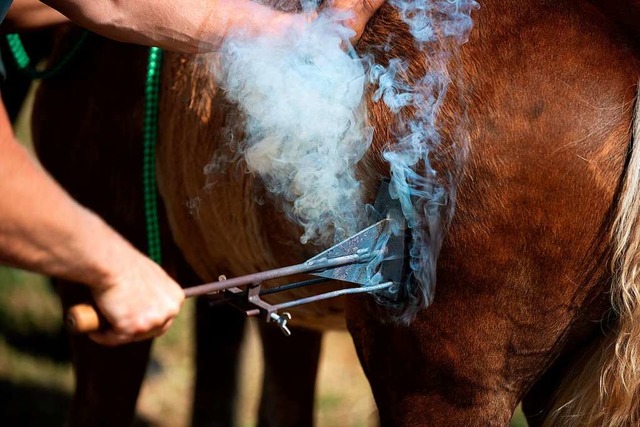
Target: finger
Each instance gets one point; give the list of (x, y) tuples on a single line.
[(153, 329), (373, 5), (113, 339), (369, 6), (110, 338), (118, 336)]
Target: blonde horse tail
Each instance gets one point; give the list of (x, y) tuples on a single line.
[(606, 391)]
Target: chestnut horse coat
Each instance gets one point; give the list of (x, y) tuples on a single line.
[(547, 89)]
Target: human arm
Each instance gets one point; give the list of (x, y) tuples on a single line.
[(27, 15), (362, 11), (44, 230), (192, 25)]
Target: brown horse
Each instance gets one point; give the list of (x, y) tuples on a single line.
[(547, 202)]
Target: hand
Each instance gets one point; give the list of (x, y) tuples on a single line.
[(139, 302), (46, 231), (363, 11)]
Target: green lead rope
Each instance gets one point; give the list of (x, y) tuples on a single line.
[(150, 130), (24, 62)]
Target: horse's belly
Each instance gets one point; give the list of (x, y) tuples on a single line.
[(223, 221)]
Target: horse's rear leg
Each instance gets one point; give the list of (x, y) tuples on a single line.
[(422, 375), (540, 400), (219, 333), (290, 369), (108, 380)]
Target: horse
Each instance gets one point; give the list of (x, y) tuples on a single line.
[(537, 288)]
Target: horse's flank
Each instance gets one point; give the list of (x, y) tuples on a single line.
[(524, 272), (547, 147), (604, 389)]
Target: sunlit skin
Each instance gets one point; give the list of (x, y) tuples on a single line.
[(28, 15), (43, 229), (194, 25)]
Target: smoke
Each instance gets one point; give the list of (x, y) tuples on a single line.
[(427, 196), (300, 95)]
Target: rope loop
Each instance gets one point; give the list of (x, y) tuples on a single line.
[(23, 61)]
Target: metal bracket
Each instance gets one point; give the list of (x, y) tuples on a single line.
[(378, 250)]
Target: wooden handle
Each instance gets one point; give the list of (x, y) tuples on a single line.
[(83, 318)]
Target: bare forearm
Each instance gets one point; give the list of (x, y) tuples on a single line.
[(25, 15), (43, 229), (186, 25)]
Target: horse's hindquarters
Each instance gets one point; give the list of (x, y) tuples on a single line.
[(221, 217), (522, 277), (522, 274)]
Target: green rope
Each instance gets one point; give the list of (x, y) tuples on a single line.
[(150, 130), (23, 61)]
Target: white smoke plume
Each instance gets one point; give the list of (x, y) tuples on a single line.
[(301, 98)]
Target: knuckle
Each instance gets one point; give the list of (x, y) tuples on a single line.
[(174, 309), (138, 326), (155, 320), (368, 5), (121, 327), (109, 339)]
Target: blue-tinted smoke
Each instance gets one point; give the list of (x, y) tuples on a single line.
[(300, 95), (427, 196)]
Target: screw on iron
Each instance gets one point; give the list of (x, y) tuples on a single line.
[(221, 278), (282, 320)]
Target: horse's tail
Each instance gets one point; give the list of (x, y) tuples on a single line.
[(606, 391)]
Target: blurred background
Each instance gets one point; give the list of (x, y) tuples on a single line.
[(36, 382)]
